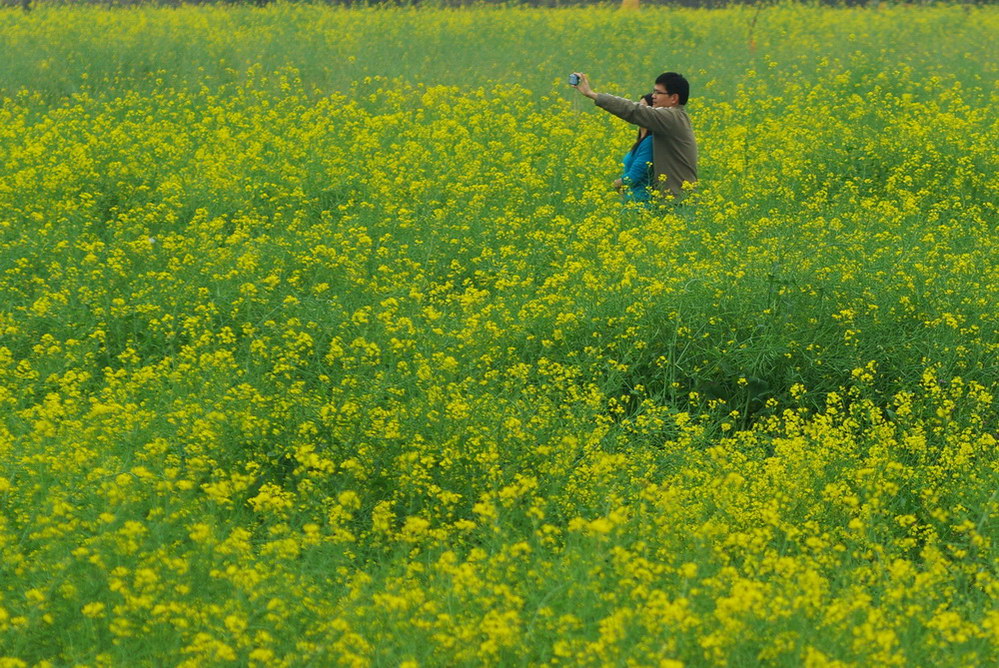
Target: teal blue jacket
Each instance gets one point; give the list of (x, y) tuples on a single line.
[(638, 171)]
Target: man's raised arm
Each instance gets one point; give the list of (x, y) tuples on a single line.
[(656, 120)]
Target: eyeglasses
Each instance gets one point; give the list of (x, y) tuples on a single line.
[(659, 92)]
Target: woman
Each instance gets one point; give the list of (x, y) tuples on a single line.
[(634, 182)]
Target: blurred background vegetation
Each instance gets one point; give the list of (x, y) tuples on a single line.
[(27, 4)]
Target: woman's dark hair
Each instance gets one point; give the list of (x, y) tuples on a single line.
[(638, 140)]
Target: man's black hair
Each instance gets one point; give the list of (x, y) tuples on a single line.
[(675, 83)]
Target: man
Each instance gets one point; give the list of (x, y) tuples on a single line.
[(674, 151)]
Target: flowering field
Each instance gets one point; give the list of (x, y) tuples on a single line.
[(323, 340)]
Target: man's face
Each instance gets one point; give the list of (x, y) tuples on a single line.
[(660, 98)]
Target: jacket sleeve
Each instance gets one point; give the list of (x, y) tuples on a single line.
[(639, 167), (660, 120)]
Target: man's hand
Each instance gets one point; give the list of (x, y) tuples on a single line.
[(618, 185), (584, 86)]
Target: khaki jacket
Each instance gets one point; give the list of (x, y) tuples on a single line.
[(674, 151)]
